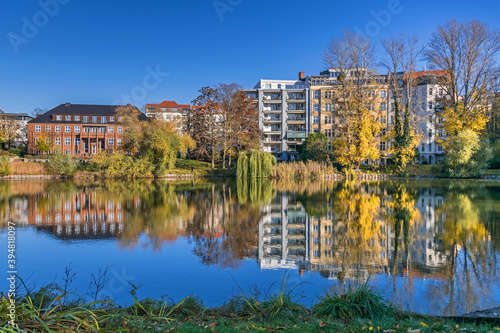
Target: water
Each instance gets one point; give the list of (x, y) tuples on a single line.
[(429, 247)]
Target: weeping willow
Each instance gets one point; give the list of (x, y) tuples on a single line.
[(255, 164)]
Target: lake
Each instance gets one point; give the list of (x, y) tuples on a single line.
[(429, 247)]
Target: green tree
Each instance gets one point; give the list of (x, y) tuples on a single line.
[(468, 155), (61, 164), (315, 148), (255, 164)]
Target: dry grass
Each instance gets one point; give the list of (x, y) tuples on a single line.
[(28, 168), (301, 170)]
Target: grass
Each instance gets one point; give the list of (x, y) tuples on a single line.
[(28, 168), (358, 309)]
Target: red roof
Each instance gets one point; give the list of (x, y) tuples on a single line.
[(422, 73), (170, 104)]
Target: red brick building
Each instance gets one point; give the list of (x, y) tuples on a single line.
[(78, 129)]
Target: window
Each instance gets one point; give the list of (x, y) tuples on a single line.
[(103, 120), (47, 128), (119, 130), (382, 106), (58, 129), (102, 129), (94, 129), (77, 141), (382, 120), (118, 142), (383, 132), (77, 118), (111, 142), (111, 129), (383, 93), (382, 145), (86, 129), (120, 118), (67, 152), (67, 129), (423, 147), (317, 94), (67, 141), (77, 129), (326, 120), (38, 128), (316, 120), (430, 105), (430, 133), (94, 119), (439, 148), (85, 119), (430, 91), (430, 146), (68, 118), (111, 118), (58, 141), (58, 117)]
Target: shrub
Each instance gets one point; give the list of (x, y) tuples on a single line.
[(357, 302), (467, 156), (119, 165), (5, 167), (61, 164)]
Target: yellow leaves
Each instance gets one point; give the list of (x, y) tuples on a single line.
[(456, 120), (424, 324)]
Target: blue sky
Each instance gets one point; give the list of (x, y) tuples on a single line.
[(106, 52)]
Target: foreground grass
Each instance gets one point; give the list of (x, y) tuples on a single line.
[(355, 309)]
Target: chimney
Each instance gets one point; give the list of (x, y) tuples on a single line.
[(301, 75), (67, 104)]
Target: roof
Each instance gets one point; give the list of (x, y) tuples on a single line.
[(170, 104), (80, 109), (422, 73)]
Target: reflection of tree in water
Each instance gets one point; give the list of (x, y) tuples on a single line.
[(223, 228), (473, 264)]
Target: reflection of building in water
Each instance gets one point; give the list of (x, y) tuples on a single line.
[(426, 248), (74, 214), (340, 248), (16, 210), (283, 235)]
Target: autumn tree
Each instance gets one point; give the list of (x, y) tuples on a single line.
[(157, 142), (467, 52), (43, 144), (401, 55), (352, 55), (9, 129)]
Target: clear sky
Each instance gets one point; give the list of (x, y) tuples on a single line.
[(119, 51)]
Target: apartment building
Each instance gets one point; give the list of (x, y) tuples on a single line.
[(169, 111), (284, 115), (325, 95), (21, 121), (427, 98), (78, 129)]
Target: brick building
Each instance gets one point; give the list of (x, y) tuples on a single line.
[(78, 129)]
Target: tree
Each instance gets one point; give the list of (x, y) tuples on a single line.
[(157, 142), (315, 148), (43, 143), (255, 164), (205, 124), (9, 129), (402, 52), (466, 51), (468, 155), (352, 55)]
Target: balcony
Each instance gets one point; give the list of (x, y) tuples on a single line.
[(272, 98), (271, 119), (296, 135), (268, 129), (295, 119), (273, 139), (272, 109), (296, 108)]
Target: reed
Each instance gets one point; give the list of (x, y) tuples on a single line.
[(301, 170), (28, 168)]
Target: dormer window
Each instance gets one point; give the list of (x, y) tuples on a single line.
[(58, 117), (103, 120), (94, 119), (68, 118), (77, 118), (111, 118)]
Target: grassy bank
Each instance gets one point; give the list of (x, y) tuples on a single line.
[(52, 309)]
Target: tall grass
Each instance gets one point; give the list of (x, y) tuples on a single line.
[(358, 301), (301, 170), (5, 167), (28, 168)]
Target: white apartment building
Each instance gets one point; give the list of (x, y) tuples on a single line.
[(284, 115), (426, 101), (169, 111)]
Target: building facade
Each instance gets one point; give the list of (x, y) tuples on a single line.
[(284, 115), (169, 111), (18, 122), (78, 129)]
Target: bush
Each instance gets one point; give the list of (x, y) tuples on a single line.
[(21, 151), (467, 156), (5, 167), (119, 165), (357, 302), (61, 164)]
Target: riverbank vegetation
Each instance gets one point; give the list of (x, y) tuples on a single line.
[(54, 308)]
